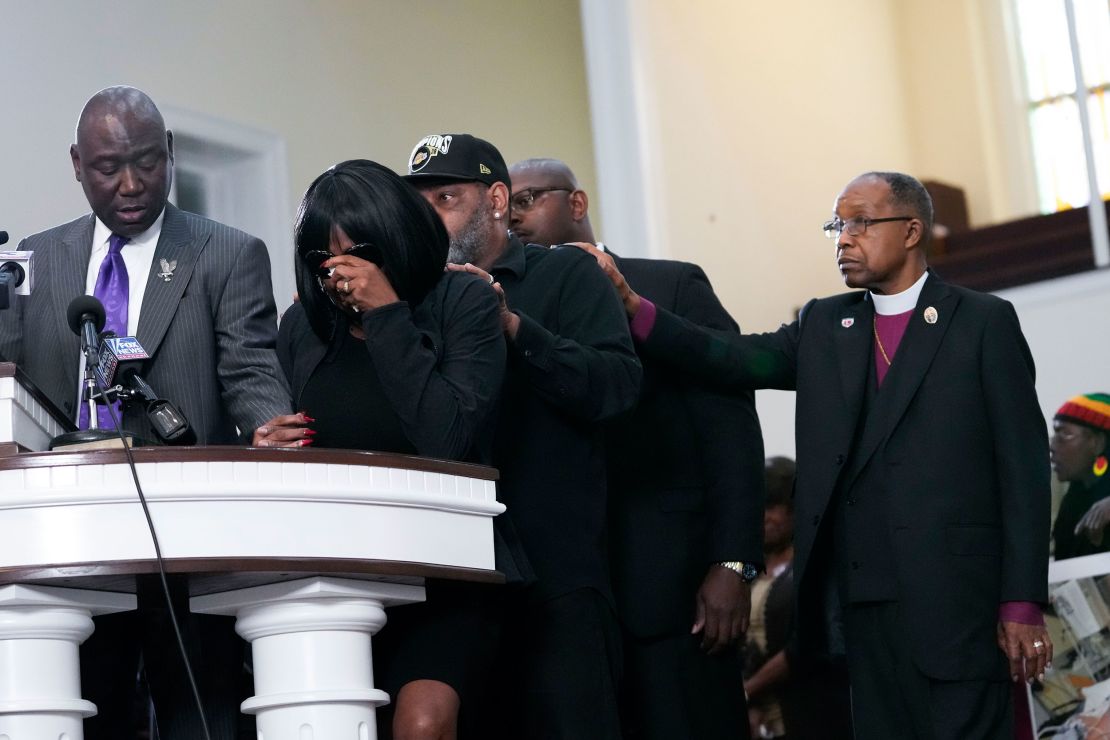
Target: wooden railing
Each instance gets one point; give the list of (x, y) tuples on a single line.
[(1017, 252)]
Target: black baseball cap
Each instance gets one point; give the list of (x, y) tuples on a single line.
[(457, 157)]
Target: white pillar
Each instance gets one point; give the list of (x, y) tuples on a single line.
[(313, 663), (40, 675), (621, 112)]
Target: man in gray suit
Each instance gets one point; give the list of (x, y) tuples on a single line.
[(197, 295), (200, 294)]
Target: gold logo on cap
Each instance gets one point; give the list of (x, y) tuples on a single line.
[(484, 170)]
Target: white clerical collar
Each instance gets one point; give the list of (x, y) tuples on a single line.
[(889, 305)]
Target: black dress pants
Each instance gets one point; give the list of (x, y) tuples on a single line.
[(110, 660), (558, 669), (673, 690), (892, 698)]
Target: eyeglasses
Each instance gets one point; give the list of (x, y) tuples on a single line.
[(857, 225), (525, 199), (313, 258)]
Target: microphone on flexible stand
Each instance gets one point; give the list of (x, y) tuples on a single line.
[(85, 316)]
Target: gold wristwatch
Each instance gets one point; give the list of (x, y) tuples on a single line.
[(746, 571)]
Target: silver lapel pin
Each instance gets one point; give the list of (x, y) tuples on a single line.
[(930, 315), (168, 266)]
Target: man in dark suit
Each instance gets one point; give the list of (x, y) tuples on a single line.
[(922, 497), (685, 472), (198, 297)]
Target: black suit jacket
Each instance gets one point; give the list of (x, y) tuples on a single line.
[(960, 445), (685, 470)]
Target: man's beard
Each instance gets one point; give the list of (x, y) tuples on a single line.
[(471, 240)]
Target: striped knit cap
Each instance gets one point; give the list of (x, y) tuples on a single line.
[(1091, 410)]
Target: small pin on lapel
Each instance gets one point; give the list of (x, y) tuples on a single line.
[(847, 323), (167, 269), (930, 315)]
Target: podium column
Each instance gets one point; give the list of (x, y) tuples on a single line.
[(41, 628), (313, 663)]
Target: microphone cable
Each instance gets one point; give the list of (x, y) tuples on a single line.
[(158, 556)]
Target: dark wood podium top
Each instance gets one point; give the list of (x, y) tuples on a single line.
[(157, 454), (215, 575)]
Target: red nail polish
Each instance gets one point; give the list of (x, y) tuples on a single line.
[(310, 432), (306, 442), (304, 414)]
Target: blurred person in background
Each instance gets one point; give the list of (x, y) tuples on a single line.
[(765, 666), (1079, 457)]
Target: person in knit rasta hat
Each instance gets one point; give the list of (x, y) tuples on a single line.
[(1079, 456)]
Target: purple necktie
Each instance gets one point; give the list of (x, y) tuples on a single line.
[(112, 290)]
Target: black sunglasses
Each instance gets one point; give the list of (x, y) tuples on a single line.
[(314, 258)]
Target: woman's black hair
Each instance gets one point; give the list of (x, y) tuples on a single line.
[(371, 204)]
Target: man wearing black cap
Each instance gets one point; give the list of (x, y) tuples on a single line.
[(571, 365)]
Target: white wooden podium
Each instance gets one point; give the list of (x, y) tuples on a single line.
[(305, 547)]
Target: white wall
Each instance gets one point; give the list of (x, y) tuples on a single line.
[(1065, 323), (757, 115)]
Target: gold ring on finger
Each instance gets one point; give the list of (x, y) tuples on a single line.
[(346, 286)]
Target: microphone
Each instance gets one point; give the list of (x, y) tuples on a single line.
[(86, 318), (85, 308), (121, 358)]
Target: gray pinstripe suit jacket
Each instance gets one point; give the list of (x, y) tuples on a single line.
[(210, 330)]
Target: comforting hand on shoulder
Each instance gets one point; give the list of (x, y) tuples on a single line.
[(510, 322), (608, 265)]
